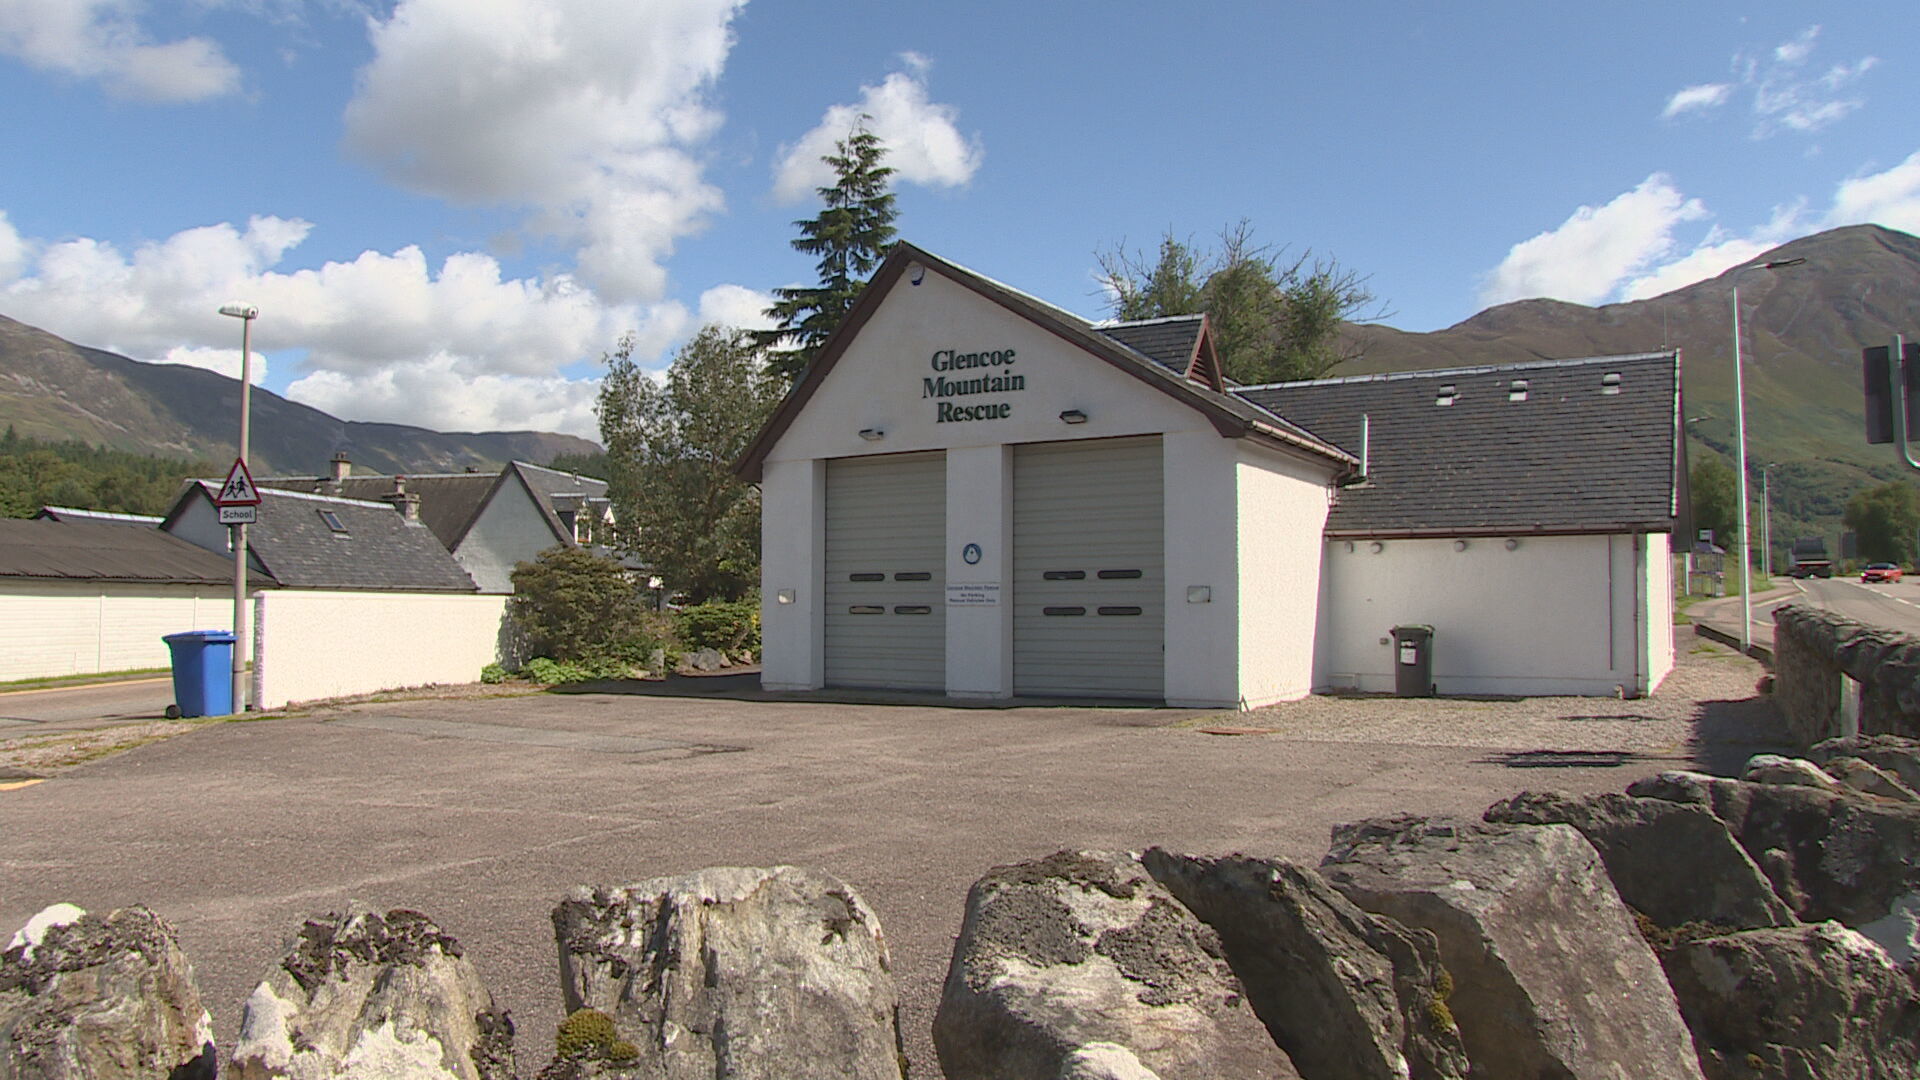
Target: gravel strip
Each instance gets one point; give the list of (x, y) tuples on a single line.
[(1706, 707)]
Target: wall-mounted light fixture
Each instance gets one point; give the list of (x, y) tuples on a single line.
[(784, 596), (1459, 545), (919, 273), (1512, 544), (1378, 547), (1074, 416), (872, 434), (1199, 594)]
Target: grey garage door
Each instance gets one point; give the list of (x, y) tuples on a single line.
[(886, 575), (1089, 582)]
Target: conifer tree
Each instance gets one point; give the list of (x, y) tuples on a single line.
[(850, 237)]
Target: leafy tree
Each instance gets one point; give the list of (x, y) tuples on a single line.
[(1885, 519), (573, 606), (1716, 505), (670, 452), (1273, 321), (850, 237)]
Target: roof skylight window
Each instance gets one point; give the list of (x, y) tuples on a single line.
[(1517, 391), (333, 522), (1446, 395), (1610, 383)]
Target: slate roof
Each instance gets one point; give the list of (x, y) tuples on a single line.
[(72, 513), (79, 550), (1169, 342), (1570, 458), (451, 502), (379, 549), (1230, 416)]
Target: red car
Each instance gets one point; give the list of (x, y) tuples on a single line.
[(1880, 571)]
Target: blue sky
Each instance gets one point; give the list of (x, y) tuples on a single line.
[(449, 210)]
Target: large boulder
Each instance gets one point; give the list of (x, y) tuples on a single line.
[(363, 996), (1831, 854), (1550, 975), (1865, 776), (1779, 769), (93, 997), (1348, 995), (1799, 1002), (1082, 964), (1897, 755), (1672, 862), (734, 973)]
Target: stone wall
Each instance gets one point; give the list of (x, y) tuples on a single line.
[(1813, 648)]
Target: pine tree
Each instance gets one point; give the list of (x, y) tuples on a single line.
[(850, 236)]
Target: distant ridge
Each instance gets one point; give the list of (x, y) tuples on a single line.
[(51, 388), (1805, 326)]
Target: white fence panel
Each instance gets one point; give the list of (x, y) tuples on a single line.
[(55, 628), (322, 644)]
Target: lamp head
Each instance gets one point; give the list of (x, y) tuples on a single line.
[(240, 311)]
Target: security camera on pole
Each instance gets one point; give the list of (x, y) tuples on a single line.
[(239, 502)]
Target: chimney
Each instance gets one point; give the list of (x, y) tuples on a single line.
[(342, 468), (408, 503)]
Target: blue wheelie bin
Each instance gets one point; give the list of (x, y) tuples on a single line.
[(202, 672)]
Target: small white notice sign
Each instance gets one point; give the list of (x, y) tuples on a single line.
[(238, 515), (973, 594)]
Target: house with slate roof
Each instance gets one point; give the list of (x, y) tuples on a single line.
[(1524, 511), (489, 521), (974, 492), (322, 542), (83, 593)]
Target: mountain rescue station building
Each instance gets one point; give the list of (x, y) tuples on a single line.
[(975, 493)]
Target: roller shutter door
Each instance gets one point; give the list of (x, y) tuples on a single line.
[(886, 572), (1089, 571)]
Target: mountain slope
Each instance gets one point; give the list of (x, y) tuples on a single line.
[(1804, 327), (51, 388)]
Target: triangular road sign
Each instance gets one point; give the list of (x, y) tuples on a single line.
[(238, 489)]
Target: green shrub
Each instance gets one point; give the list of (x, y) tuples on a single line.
[(585, 1033), (727, 625), (494, 673), (571, 605)]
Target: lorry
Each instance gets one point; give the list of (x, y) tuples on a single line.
[(1810, 558)]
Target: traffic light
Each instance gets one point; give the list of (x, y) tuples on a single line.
[(1874, 364)]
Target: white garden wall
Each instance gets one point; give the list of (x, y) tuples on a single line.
[(56, 628), (320, 644)]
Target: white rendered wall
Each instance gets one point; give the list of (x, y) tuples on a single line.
[(1658, 554), (793, 554), (1283, 511), (1554, 615), (509, 531), (55, 628), (319, 644), (980, 511), (1202, 657)]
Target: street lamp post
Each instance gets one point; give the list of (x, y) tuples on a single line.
[(246, 313), (1766, 518), (1740, 450)]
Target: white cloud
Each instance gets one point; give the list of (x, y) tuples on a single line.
[(736, 306), (224, 361), (1719, 252), (586, 111), (374, 330), (1797, 50), (102, 39), (923, 140), (13, 251), (443, 389), (1688, 99), (1890, 198), (1593, 250)]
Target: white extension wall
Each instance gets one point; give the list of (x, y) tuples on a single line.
[(319, 644), (1283, 512), (55, 628), (1550, 615)]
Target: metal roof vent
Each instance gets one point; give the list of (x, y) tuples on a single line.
[(1610, 383), (1517, 391), (1447, 394)]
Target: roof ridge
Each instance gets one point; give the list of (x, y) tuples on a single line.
[(211, 485), (1119, 324), (1479, 369)]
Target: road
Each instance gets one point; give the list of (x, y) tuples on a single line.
[(1896, 606), (64, 706)]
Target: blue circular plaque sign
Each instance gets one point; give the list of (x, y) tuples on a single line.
[(971, 554)]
